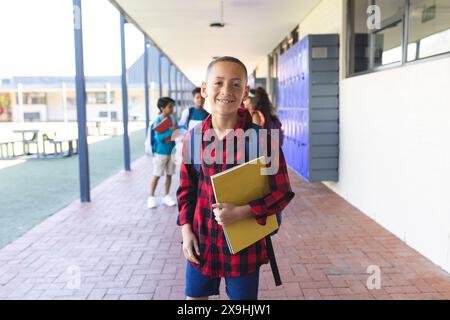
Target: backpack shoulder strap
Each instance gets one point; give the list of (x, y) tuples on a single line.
[(247, 147), (191, 110), (196, 149)]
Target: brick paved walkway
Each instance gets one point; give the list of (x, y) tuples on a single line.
[(125, 251)]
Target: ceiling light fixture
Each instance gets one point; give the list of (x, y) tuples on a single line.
[(220, 24)]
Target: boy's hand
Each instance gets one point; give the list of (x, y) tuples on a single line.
[(176, 134), (227, 213), (190, 244)]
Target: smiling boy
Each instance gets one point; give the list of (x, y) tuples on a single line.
[(201, 219)]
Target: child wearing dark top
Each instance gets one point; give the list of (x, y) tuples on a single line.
[(200, 218)]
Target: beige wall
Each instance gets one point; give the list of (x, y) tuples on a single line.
[(262, 71), (55, 106), (327, 17)]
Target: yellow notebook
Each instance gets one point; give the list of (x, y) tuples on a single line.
[(240, 185)]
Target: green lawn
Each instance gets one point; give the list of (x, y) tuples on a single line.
[(36, 189)]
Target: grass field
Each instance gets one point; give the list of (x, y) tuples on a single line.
[(35, 189)]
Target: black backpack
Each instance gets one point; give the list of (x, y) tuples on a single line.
[(191, 110), (274, 123)]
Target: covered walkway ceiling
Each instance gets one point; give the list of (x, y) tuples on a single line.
[(181, 28)]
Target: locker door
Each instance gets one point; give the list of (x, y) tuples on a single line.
[(294, 138), (297, 140), (280, 82), (304, 76), (305, 143), (298, 71), (298, 150)]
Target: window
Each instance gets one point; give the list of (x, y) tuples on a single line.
[(388, 39), (108, 115), (358, 46), (293, 39), (429, 28), (287, 43), (34, 98), (99, 97), (32, 116), (408, 30), (273, 77), (283, 47), (388, 44), (372, 47)]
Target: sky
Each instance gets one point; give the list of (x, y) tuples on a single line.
[(37, 38)]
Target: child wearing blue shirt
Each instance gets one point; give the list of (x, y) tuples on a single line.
[(162, 159), (196, 114)]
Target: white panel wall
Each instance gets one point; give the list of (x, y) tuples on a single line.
[(395, 143), (395, 153)]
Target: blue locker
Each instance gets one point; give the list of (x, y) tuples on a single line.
[(305, 143), (304, 75), (308, 94)]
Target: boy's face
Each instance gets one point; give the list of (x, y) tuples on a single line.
[(225, 88), (168, 110), (199, 100)]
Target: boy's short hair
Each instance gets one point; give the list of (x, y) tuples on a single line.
[(163, 102), (196, 90), (227, 59)]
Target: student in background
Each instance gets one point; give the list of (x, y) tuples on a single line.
[(162, 160), (201, 220), (263, 113), (196, 114), (252, 106)]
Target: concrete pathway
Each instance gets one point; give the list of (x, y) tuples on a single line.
[(116, 248)]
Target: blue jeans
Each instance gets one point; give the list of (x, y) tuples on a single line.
[(244, 287)]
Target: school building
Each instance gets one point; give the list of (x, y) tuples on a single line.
[(393, 159), (53, 99)]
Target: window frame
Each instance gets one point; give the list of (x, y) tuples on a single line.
[(97, 97), (34, 98), (404, 43)]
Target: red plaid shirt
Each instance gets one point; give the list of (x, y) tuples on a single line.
[(195, 198)]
